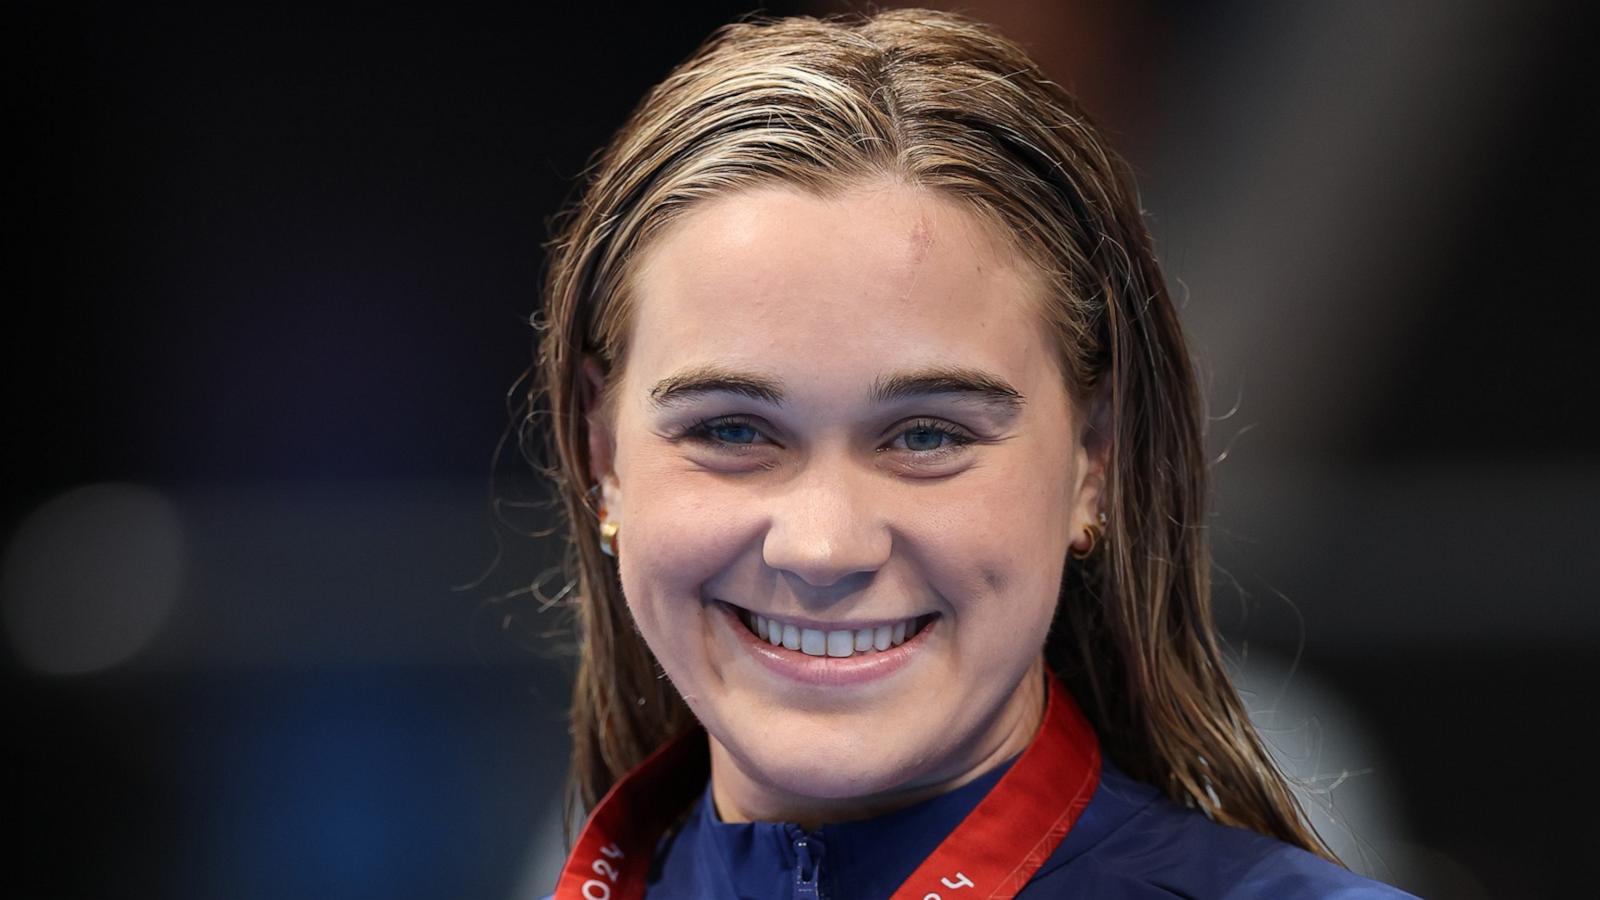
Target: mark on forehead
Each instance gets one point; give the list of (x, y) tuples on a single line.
[(921, 237)]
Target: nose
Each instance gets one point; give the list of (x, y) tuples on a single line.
[(825, 527)]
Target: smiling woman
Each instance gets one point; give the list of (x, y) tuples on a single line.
[(846, 488), (857, 339)]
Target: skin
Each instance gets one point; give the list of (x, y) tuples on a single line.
[(831, 507)]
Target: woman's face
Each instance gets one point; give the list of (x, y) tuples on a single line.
[(843, 416)]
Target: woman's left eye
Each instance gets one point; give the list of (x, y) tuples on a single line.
[(924, 436)]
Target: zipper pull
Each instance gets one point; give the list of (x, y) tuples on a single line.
[(808, 849)]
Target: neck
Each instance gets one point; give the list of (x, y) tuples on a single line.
[(742, 796)]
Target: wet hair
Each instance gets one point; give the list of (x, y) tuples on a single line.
[(938, 102)]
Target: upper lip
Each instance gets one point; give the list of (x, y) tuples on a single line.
[(819, 625)]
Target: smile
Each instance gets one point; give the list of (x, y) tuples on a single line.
[(838, 643), (796, 650)]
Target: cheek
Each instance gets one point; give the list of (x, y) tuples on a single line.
[(1000, 546), (677, 532), (1029, 503)]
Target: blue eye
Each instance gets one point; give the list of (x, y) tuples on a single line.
[(921, 434), (729, 432)]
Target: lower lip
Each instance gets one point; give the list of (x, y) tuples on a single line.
[(830, 671)]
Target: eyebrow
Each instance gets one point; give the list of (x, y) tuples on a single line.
[(964, 383)]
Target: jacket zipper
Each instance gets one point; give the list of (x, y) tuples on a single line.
[(808, 850)]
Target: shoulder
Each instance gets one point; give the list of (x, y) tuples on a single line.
[(1132, 842)]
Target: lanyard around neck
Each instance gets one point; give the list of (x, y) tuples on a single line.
[(993, 852)]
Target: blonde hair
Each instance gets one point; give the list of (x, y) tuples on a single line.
[(937, 101)]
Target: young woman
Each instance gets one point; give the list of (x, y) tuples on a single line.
[(882, 453)]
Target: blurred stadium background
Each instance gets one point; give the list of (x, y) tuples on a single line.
[(269, 274)]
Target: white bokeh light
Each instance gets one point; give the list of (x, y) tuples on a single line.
[(90, 578)]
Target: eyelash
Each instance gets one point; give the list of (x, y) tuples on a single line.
[(701, 432)]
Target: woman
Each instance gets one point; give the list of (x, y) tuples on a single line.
[(882, 451)]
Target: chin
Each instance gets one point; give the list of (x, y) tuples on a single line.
[(826, 763), (843, 779)]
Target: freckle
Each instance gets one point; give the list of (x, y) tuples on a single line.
[(995, 580)]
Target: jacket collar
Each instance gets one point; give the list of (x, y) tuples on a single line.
[(867, 858)]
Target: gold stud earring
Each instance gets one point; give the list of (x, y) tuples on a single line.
[(1093, 531), (608, 536), (608, 530)]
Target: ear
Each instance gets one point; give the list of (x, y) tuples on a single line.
[(602, 436), (1094, 454)]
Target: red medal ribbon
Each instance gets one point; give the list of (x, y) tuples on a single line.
[(993, 852), (612, 856)]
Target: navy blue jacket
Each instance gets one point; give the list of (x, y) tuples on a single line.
[(1131, 842)]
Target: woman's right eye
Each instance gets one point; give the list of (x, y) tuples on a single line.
[(723, 432)]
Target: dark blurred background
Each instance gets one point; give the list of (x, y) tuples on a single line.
[(268, 274)]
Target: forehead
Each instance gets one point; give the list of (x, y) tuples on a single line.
[(831, 292)]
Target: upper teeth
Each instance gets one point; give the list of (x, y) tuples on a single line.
[(816, 642)]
